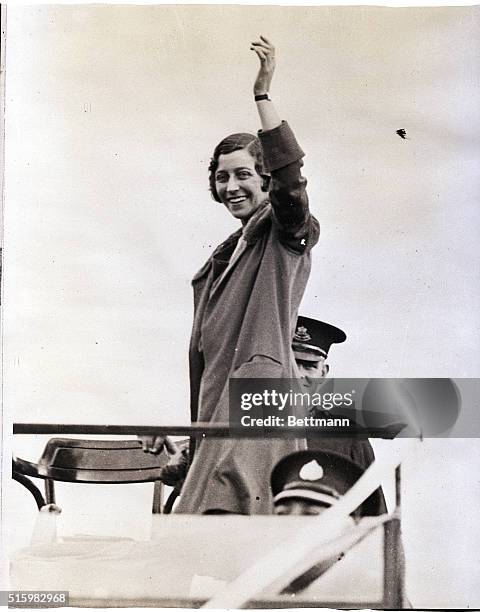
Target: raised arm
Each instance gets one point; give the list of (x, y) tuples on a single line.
[(283, 159), (265, 51)]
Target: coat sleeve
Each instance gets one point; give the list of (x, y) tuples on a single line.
[(297, 228)]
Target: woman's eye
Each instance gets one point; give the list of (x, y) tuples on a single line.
[(221, 178), (243, 175)]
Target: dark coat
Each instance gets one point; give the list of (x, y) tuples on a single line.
[(243, 326)]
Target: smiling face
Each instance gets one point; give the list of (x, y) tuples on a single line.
[(238, 184)]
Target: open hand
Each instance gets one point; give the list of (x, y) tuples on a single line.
[(266, 54)]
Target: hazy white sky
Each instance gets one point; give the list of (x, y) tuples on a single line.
[(112, 115)]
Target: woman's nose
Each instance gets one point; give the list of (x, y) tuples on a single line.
[(232, 184)]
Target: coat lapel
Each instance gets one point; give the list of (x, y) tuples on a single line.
[(254, 229)]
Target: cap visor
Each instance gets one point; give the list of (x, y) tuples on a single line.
[(304, 356), (315, 496)]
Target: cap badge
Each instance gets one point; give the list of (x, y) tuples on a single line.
[(302, 335), (311, 471)]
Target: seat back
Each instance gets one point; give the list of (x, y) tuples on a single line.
[(99, 461)]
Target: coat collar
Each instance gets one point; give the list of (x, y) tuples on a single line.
[(251, 232), (258, 223)]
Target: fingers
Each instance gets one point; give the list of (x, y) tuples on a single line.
[(258, 45), (265, 44), (157, 445), (170, 445), (260, 52), (264, 50), (152, 444), (145, 440)]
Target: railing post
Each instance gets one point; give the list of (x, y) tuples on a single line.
[(157, 497), (49, 491), (394, 574)]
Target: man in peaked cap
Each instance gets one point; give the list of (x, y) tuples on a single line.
[(308, 482), (311, 342)]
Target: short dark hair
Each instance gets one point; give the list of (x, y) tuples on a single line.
[(236, 142)]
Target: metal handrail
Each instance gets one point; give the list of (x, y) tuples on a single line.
[(195, 430)]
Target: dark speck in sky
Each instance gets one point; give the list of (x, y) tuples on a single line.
[(402, 133)]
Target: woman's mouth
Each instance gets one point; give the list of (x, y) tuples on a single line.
[(237, 200)]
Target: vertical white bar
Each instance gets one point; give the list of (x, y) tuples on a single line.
[(4, 421)]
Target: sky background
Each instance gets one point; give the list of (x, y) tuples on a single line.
[(112, 115)]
